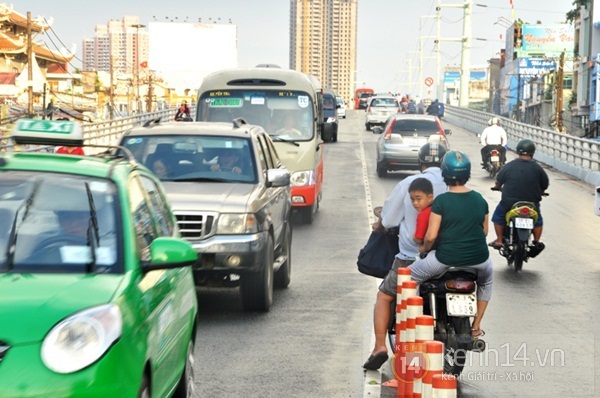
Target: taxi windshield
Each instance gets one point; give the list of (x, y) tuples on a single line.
[(57, 223)]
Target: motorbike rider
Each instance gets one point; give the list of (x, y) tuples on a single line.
[(521, 179), (458, 226), (493, 137), (183, 111), (398, 211)]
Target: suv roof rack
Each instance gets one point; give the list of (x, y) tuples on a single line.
[(238, 122), (149, 123)]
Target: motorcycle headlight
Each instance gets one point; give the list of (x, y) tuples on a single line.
[(81, 339), (233, 223), (302, 178)]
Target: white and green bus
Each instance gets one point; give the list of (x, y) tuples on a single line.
[(289, 105)]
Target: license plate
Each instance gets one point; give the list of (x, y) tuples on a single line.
[(495, 158), (461, 304), (526, 223)]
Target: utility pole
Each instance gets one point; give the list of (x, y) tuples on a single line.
[(137, 65), (465, 64), (559, 93), (29, 67), (150, 94), (111, 90), (438, 79)]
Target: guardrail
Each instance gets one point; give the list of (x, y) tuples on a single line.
[(101, 133), (578, 157)]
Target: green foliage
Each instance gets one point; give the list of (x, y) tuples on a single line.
[(573, 14)]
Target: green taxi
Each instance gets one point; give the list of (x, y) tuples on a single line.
[(97, 297)]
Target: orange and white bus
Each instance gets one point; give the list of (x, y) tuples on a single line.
[(288, 104)]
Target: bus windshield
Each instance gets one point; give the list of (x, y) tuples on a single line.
[(283, 114)]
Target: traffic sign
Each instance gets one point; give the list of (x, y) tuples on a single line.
[(429, 81)]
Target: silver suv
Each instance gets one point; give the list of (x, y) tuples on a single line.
[(231, 196)]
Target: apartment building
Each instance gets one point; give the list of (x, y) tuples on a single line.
[(323, 42), (125, 41)]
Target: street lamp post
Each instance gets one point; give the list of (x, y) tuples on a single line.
[(137, 64)]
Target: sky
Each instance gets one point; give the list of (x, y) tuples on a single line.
[(389, 31)]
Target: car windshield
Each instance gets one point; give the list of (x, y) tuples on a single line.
[(282, 113), (195, 157), (420, 128), (384, 102), (58, 223)]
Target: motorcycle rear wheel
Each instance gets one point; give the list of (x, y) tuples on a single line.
[(519, 255), (455, 356)]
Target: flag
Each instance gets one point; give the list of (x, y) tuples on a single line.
[(144, 64)]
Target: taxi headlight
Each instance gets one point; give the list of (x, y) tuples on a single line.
[(302, 178), (81, 339), (237, 223)]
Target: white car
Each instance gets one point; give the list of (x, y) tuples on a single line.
[(341, 108), (380, 109)]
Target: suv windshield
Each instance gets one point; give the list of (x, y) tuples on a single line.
[(283, 113), (58, 223), (195, 157)]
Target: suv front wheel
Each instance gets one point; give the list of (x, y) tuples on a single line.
[(257, 287)]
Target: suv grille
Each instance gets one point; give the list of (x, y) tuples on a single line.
[(196, 225)]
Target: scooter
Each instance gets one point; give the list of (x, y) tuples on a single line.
[(517, 241), (451, 300), (494, 162)]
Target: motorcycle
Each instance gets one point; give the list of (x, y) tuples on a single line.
[(494, 162), (451, 300), (517, 240)]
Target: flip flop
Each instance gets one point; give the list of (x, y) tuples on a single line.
[(392, 383), (375, 361), (495, 245), (475, 333)]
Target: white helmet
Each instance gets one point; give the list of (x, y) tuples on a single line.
[(493, 121)]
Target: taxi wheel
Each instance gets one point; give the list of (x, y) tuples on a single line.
[(186, 386), (283, 274), (257, 287), (145, 388)]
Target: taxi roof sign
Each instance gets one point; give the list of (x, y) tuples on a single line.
[(47, 132)]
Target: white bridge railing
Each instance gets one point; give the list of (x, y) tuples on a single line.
[(103, 133), (572, 155)]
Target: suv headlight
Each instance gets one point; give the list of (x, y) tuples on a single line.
[(81, 339), (236, 223), (302, 178)]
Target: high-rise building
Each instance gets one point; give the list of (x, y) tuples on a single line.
[(323, 42), (125, 40)]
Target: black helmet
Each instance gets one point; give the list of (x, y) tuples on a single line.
[(526, 147), (456, 166), (432, 153)]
